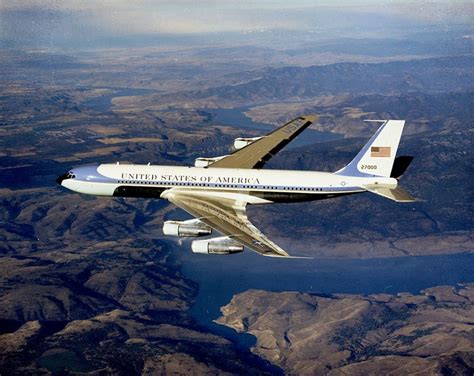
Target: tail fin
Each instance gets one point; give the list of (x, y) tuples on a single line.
[(377, 156)]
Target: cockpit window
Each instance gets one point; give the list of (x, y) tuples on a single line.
[(70, 175)]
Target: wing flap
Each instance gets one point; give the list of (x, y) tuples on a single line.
[(256, 154), (227, 216)]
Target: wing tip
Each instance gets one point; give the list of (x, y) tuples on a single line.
[(311, 117), (287, 256)]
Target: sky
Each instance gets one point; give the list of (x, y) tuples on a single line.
[(79, 22)]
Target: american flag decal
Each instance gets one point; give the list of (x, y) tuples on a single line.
[(380, 151)]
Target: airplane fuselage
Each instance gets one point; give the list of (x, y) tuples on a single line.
[(258, 186), (217, 190)]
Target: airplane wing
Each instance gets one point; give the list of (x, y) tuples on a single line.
[(256, 154), (226, 215)]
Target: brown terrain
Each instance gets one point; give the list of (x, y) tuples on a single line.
[(89, 284), (427, 334), (82, 289)]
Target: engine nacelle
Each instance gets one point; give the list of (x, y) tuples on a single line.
[(204, 162), (242, 142), (193, 227), (217, 246)]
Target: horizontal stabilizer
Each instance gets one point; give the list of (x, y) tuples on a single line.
[(396, 194)]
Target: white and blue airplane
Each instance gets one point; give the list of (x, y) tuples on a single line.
[(216, 191)]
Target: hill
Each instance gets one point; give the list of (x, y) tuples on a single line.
[(308, 334)]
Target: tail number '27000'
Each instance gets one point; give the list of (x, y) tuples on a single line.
[(368, 167)]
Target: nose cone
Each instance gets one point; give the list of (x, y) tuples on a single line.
[(60, 179)]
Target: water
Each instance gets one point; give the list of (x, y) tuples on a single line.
[(221, 277), (59, 362), (236, 118), (104, 103)]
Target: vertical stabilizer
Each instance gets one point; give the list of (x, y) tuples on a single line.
[(377, 156)]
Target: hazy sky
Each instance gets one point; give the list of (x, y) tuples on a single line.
[(39, 21)]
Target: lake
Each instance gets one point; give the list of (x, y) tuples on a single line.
[(221, 277), (103, 103), (236, 118)]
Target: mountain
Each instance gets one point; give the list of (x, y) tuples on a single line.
[(82, 289), (89, 285), (301, 83), (307, 334)]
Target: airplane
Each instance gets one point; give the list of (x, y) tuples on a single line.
[(216, 191)]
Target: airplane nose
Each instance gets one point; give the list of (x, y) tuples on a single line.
[(60, 179)]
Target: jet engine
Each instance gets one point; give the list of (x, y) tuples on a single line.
[(217, 246), (242, 142), (204, 162), (192, 227)]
